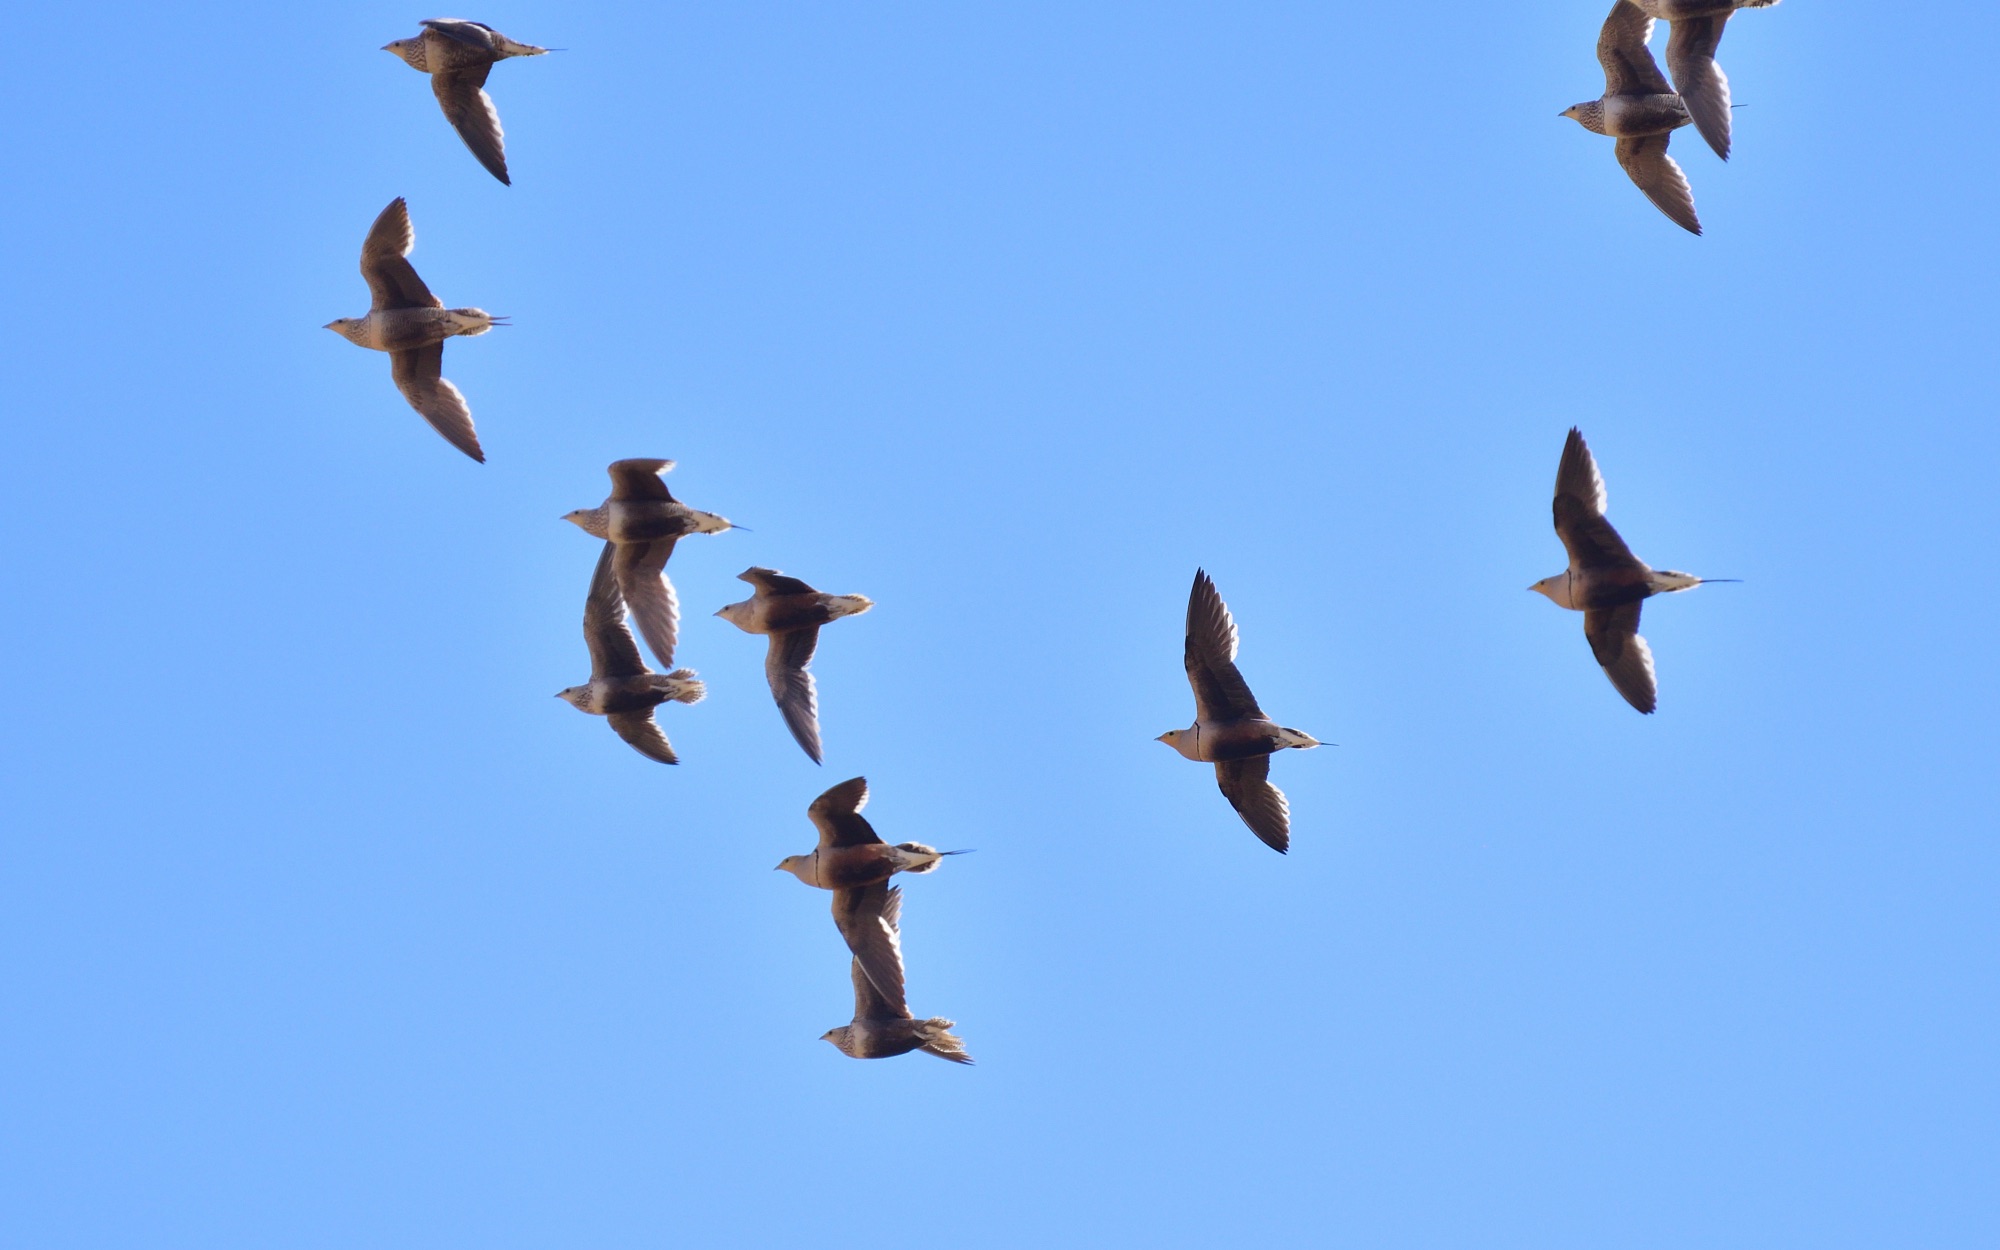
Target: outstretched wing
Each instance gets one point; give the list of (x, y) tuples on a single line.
[(392, 281), (643, 733), (1220, 693), (1579, 509), (1627, 660), (1629, 68), (460, 93), (642, 579), (1646, 163), (792, 686), (772, 582), (639, 479), (613, 653), (419, 375), (1246, 783), (868, 918), (1703, 87), (837, 815)]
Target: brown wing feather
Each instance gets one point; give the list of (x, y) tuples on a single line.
[(771, 581), (419, 375), (1246, 784), (1627, 660), (1209, 654), (1629, 68), (613, 653), (867, 918), (837, 815), (1646, 163), (471, 113), (792, 686), (1579, 510), (392, 282), (643, 733), (869, 1002), (1703, 87), (641, 569), (639, 479)]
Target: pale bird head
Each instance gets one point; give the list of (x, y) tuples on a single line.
[(734, 613), (797, 865), (349, 328), (1556, 589), (574, 695), (579, 518), (838, 1037), (408, 49), (1172, 738)]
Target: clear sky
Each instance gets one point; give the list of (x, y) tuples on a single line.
[(327, 926)]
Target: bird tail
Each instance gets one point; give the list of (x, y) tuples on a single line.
[(1295, 738), (938, 1039), (686, 688), (848, 605), (918, 848)]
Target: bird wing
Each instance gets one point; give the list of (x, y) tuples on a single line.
[(771, 581), (1220, 693), (472, 34), (1627, 660), (1246, 783), (460, 92), (1629, 68), (869, 1002), (792, 686), (837, 815), (419, 374), (1647, 164), (639, 479), (392, 281), (869, 918), (613, 653), (1704, 88), (643, 733), (1591, 541), (642, 579)]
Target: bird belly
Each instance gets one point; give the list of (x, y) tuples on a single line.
[(642, 521), (1631, 116)]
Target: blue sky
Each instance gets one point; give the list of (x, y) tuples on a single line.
[(328, 926)]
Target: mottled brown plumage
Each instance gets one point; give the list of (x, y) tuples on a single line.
[(790, 613), (883, 1026), (458, 55), (644, 521), (1639, 110), (408, 322), (621, 688)]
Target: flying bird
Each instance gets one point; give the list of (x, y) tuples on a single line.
[(458, 55), (882, 1025), (1639, 110), (643, 521), (1605, 581), (621, 688), (408, 322), (853, 862), (791, 612), (1703, 87), (1230, 730)]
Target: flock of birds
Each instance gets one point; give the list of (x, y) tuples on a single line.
[(641, 521)]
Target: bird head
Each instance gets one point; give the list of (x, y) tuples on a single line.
[(574, 695), (1589, 115), (411, 50), (799, 866), (839, 1038), (349, 328), (736, 613), (1182, 740), (1556, 589)]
